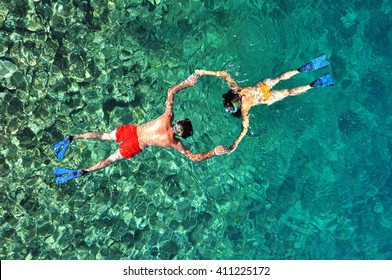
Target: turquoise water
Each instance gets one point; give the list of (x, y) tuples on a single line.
[(312, 179)]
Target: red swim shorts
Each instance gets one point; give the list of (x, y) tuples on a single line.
[(128, 134)]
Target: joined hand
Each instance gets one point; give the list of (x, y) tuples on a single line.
[(221, 150), (192, 79)]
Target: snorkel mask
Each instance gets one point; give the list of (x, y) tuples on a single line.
[(183, 128), (232, 109), (177, 129), (232, 103)]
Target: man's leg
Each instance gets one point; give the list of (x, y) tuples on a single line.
[(116, 156), (61, 146), (63, 175), (97, 135)]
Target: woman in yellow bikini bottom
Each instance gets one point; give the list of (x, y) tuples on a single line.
[(238, 101)]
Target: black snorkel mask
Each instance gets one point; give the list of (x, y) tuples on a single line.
[(177, 129), (232, 108), (232, 103), (183, 128)]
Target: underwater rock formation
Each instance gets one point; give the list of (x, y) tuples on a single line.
[(349, 122)]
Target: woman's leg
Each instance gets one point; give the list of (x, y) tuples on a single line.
[(285, 76), (277, 95), (324, 81), (316, 63)]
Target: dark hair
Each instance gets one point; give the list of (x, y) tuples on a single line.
[(230, 99), (185, 127)]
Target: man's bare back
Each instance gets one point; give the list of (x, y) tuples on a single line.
[(158, 132)]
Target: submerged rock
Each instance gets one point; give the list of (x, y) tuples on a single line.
[(26, 138), (171, 248), (3, 13), (32, 23), (349, 122), (7, 68), (14, 107), (4, 42)]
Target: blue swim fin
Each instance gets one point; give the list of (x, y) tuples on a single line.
[(316, 63), (61, 147), (324, 81), (63, 175)]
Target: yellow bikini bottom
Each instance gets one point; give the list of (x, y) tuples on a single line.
[(266, 90)]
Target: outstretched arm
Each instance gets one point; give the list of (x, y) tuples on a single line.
[(218, 151), (245, 127), (222, 74), (190, 82)]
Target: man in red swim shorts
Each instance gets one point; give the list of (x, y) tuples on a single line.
[(128, 134), (134, 138)]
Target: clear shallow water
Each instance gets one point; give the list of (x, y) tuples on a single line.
[(313, 180)]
